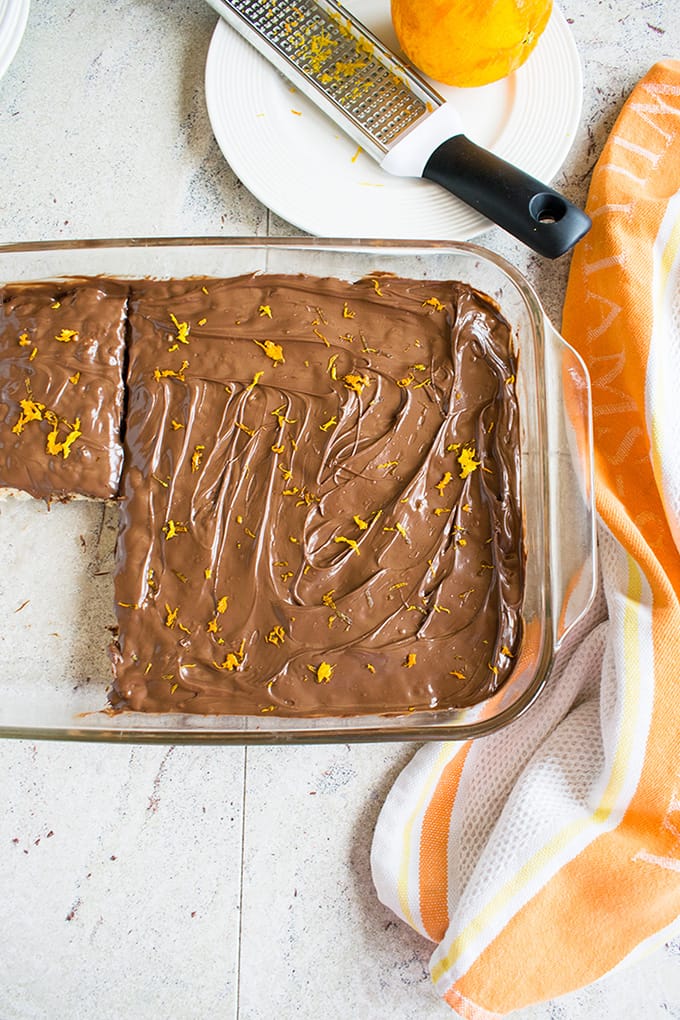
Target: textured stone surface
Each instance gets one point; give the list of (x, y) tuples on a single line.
[(152, 882)]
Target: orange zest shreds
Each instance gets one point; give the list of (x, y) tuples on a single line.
[(360, 522), (183, 329), (442, 510), (467, 461), (223, 604), (286, 472), (433, 302), (66, 335), (293, 539), (506, 651), (244, 428), (233, 660), (461, 541), (56, 304), (212, 626), (249, 533), (176, 425), (24, 340), (149, 667), (256, 379), (410, 660), (160, 481), (458, 675), (55, 447), (324, 671), (406, 381), (277, 449), (329, 424), (494, 669), (452, 447), (205, 290), (440, 486), (180, 576), (402, 531), (265, 310), (354, 546), (173, 528), (328, 599), (171, 617), (129, 605), (197, 456), (202, 322), (207, 573), (354, 381), (174, 688), (298, 113), (347, 313), (399, 584), (376, 287), (276, 636), (347, 337), (466, 594), (286, 575), (388, 464), (330, 368), (441, 609), (268, 708), (272, 350), (370, 667), (293, 443), (291, 492), (320, 335), (75, 378), (33, 354), (510, 380), (467, 508), (169, 373), (31, 410), (186, 631), (281, 418)]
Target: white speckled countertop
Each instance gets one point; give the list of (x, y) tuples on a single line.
[(178, 882)]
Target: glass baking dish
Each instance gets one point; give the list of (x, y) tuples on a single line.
[(56, 590)]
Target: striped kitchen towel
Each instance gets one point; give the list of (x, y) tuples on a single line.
[(548, 854)]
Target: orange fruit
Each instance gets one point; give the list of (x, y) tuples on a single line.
[(469, 42)]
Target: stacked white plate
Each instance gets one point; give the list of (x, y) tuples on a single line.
[(13, 18)]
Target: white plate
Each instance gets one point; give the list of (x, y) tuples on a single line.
[(13, 18), (295, 160)]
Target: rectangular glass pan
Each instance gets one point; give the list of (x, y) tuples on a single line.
[(56, 592)]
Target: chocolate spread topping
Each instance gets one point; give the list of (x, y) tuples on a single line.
[(320, 498), (61, 387), (320, 495)]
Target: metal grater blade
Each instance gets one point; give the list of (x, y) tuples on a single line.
[(335, 60)]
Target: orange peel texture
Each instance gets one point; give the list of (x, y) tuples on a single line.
[(469, 42)]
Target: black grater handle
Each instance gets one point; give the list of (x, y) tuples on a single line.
[(529, 210)]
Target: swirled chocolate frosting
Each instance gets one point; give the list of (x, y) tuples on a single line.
[(61, 387), (320, 498)]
